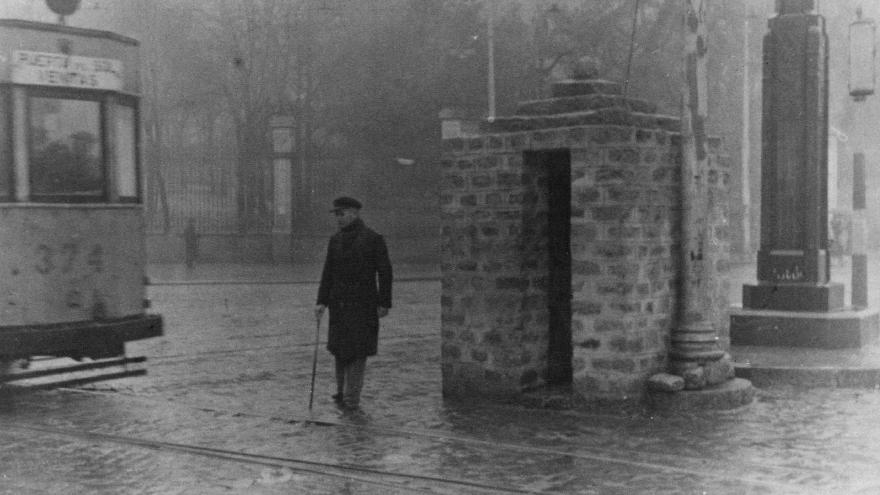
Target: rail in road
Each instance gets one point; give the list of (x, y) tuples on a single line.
[(399, 481), (770, 475), (411, 278), (756, 475), (169, 358)]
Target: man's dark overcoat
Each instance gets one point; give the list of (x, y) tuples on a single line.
[(356, 280)]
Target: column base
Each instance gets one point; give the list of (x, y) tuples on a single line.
[(732, 394), (845, 329), (794, 297)]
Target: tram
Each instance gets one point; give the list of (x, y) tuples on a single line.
[(72, 228)]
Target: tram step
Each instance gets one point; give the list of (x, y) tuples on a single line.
[(75, 382), (24, 375)]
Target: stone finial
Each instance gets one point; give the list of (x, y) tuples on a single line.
[(586, 67)]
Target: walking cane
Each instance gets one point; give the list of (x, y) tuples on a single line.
[(314, 364)]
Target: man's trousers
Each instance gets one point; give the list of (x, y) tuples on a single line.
[(350, 380)]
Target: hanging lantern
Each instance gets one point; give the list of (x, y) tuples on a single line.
[(861, 57)]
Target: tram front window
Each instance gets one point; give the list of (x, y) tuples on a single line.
[(65, 149)]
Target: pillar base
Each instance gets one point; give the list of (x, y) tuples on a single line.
[(844, 329), (794, 297), (732, 394), (808, 368)]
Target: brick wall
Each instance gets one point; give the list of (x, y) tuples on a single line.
[(625, 178)]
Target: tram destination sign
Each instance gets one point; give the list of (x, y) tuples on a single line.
[(57, 69)]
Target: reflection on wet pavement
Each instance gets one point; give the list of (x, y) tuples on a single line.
[(786, 443), (233, 371)]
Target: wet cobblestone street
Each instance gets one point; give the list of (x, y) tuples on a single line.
[(224, 409)]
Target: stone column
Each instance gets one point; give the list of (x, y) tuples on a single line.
[(793, 263)]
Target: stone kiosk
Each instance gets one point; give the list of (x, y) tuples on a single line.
[(560, 247), (794, 303)]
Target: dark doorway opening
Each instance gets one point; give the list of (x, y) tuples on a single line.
[(555, 165)]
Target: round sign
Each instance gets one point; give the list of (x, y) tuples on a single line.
[(63, 7)]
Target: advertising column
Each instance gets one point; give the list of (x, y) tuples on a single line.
[(282, 134)]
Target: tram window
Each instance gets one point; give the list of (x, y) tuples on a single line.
[(126, 153), (7, 164), (66, 161)]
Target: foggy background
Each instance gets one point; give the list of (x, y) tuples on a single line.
[(365, 80)]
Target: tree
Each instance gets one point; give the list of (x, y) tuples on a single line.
[(254, 56), (365, 79), (158, 96)]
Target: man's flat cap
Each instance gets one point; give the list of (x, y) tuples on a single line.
[(343, 202)]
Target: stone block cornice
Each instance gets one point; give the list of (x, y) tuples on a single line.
[(582, 103), (606, 116)]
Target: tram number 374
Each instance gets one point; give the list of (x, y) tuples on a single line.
[(67, 257)]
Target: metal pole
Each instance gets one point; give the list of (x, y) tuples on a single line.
[(314, 364), (694, 338), (632, 46), (858, 240), (746, 147), (491, 76)]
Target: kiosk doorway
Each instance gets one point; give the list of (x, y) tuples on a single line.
[(555, 165)]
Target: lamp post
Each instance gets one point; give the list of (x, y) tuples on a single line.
[(862, 79), (862, 33), (695, 354), (490, 82)]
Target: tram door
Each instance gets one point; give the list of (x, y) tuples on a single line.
[(556, 164)]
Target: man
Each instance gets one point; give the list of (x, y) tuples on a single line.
[(356, 287), (191, 243)]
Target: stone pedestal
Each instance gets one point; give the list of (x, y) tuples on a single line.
[(731, 394), (843, 329), (793, 297)]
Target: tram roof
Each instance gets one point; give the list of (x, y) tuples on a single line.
[(55, 55), (64, 29)]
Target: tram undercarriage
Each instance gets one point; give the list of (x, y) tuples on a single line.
[(92, 347)]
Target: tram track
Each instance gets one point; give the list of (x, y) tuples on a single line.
[(177, 283), (762, 474), (412, 483), (774, 477), (299, 345)]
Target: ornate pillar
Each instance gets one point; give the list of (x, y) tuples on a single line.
[(794, 303), (793, 263)]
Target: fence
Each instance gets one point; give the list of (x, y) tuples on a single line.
[(208, 196)]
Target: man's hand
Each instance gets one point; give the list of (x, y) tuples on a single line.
[(383, 312), (319, 311)]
